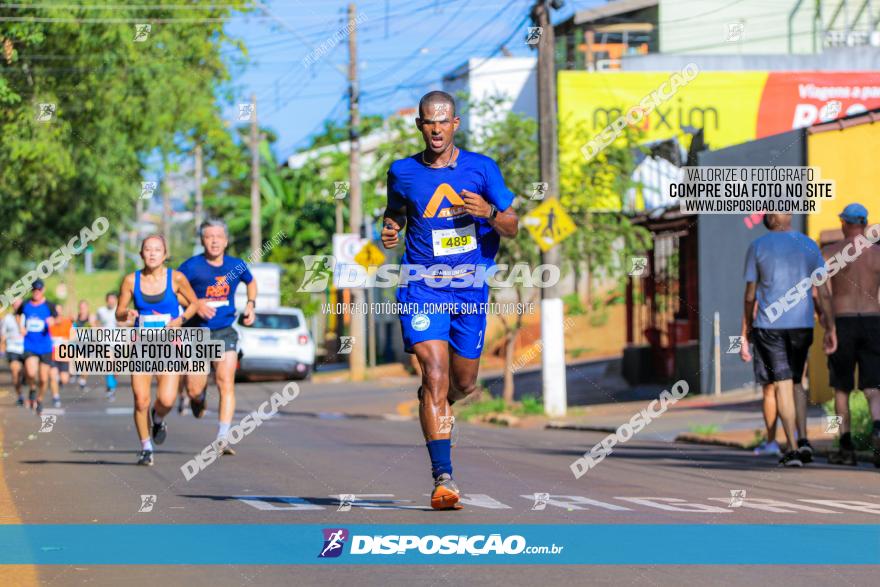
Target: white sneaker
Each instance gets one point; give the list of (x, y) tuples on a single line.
[(768, 448)]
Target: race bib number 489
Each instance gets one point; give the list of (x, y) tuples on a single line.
[(452, 241)]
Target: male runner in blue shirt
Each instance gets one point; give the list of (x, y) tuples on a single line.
[(37, 315), (456, 207), (214, 276)]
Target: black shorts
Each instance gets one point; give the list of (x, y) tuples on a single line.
[(762, 377), (782, 351), (62, 366), (44, 357), (229, 337), (858, 343), (12, 357)]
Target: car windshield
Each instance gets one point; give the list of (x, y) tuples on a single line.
[(274, 321)]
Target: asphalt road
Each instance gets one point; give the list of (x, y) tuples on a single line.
[(293, 468)]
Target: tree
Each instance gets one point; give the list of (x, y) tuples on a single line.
[(115, 101), (593, 193)]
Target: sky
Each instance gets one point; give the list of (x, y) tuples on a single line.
[(404, 49)]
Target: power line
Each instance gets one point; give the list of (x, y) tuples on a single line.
[(406, 83), (471, 35), (293, 31), (394, 67)]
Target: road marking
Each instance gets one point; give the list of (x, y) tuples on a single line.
[(573, 502), (480, 500), (118, 411), (815, 486), (848, 504), (681, 505), (774, 505), (386, 501), (354, 499)]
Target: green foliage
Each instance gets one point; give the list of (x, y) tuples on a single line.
[(599, 317), (117, 102), (91, 288), (593, 194), (291, 279), (530, 405), (704, 429), (335, 133), (573, 304), (860, 419)]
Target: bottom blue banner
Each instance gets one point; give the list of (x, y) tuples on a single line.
[(525, 544)]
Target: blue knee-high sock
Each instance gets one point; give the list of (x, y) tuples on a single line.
[(441, 460)]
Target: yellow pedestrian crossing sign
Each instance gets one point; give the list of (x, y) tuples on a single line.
[(369, 256), (549, 224)]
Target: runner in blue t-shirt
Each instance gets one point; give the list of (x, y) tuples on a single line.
[(214, 276), (36, 317), (154, 291), (456, 207)]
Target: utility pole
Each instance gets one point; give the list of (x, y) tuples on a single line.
[(552, 332), (198, 213), (357, 358), (256, 234)]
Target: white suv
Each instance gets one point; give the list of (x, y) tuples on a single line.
[(278, 342)]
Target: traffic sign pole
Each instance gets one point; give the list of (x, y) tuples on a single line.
[(552, 332)]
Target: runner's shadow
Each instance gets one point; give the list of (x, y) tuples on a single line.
[(62, 462), (123, 452), (377, 504)]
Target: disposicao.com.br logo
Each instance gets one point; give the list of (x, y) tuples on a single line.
[(480, 544)]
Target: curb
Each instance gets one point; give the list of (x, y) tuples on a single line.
[(710, 440), (343, 416), (578, 427), (818, 449)]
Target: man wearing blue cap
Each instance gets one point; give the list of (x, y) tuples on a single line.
[(854, 290)]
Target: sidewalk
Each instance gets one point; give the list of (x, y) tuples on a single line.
[(734, 419)]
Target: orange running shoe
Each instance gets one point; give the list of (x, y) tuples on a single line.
[(446, 494)]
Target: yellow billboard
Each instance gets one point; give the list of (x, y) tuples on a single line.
[(731, 107), (725, 104)]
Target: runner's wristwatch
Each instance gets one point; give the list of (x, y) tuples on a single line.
[(493, 211), (254, 302)]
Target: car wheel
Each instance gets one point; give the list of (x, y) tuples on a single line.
[(304, 376)]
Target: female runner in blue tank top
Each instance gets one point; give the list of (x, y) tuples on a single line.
[(154, 290)]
